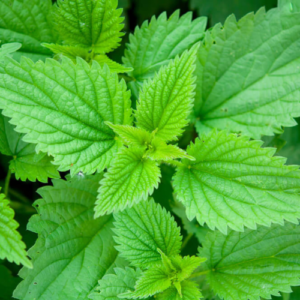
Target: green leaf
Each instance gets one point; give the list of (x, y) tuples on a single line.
[(27, 22), (289, 5), (91, 24), (152, 281), (73, 52), (25, 162), (131, 136), (254, 87), (73, 249), (161, 151), (8, 49), (8, 284), (142, 230), (156, 43), (234, 182), (62, 108), (166, 101), (11, 246), (112, 285), (253, 264), (226, 7), (189, 289), (131, 179)]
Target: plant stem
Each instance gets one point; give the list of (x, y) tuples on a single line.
[(6, 184), (186, 240), (285, 296), (19, 196), (199, 274)]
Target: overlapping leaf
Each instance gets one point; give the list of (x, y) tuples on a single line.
[(166, 101), (142, 230), (11, 245), (8, 284), (234, 182), (112, 285), (156, 43), (62, 107), (8, 49), (247, 74), (253, 264), (29, 23), (73, 250), (91, 24), (25, 162)]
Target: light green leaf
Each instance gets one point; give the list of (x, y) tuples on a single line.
[(7, 49), (254, 87), (156, 43), (11, 246), (289, 5), (152, 281), (131, 179), (234, 182), (161, 151), (190, 291), (131, 136), (253, 264), (166, 101), (27, 22), (92, 24), (112, 285), (73, 52), (185, 266), (25, 162), (142, 230), (73, 249), (62, 107)]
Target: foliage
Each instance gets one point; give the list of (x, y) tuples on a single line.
[(168, 170)]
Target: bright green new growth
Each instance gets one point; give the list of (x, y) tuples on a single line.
[(253, 264), (27, 22), (131, 179), (166, 101), (234, 182), (143, 229), (254, 87), (11, 245), (25, 162), (62, 108), (70, 243), (112, 285)]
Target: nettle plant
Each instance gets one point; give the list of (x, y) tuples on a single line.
[(118, 127)]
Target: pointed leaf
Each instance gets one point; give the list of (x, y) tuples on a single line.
[(156, 43), (161, 151), (143, 229), (253, 264), (131, 136), (91, 24), (153, 281), (190, 291), (62, 107), (234, 182), (166, 101), (27, 22), (247, 74), (112, 285), (11, 246), (131, 179), (7, 49), (73, 249)]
